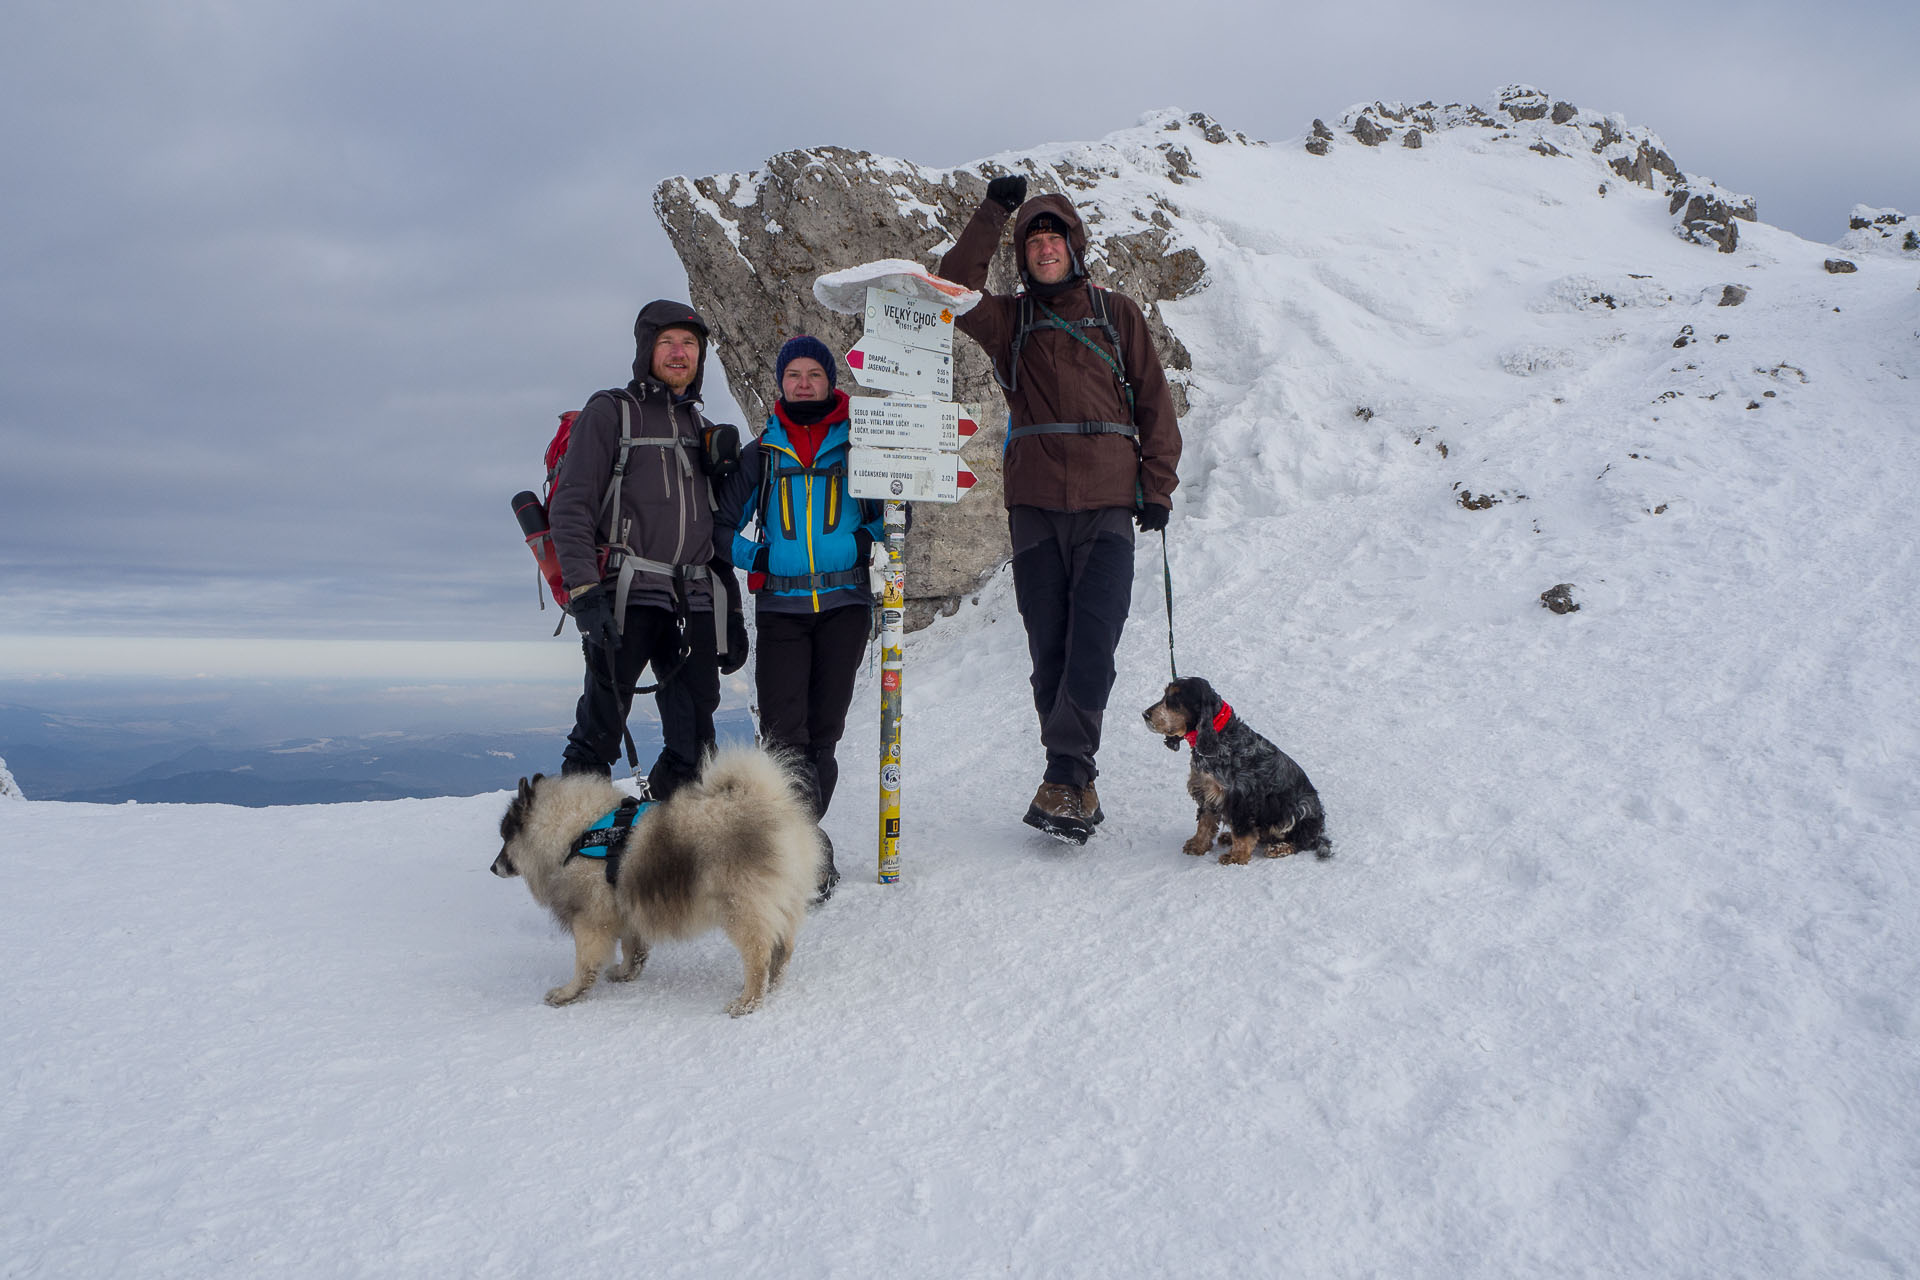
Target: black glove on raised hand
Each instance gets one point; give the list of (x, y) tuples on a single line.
[(1008, 191), (592, 612), (1152, 518), (736, 655)]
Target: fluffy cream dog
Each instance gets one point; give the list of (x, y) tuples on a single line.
[(736, 849)]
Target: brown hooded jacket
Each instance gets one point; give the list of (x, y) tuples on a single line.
[(1061, 381)]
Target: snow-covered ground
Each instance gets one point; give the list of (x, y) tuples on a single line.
[(1612, 975)]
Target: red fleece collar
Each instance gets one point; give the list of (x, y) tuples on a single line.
[(1219, 723)]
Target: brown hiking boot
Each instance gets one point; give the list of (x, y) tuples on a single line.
[(1090, 805), (1056, 811)]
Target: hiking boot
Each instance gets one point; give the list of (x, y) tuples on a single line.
[(1056, 810), (1090, 805), (829, 874)]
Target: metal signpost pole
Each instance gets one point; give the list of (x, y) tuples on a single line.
[(904, 448), (893, 635)]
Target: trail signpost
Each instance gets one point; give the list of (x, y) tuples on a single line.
[(905, 448)]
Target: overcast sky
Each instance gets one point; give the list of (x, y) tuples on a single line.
[(294, 292)]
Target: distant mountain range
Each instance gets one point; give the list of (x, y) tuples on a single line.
[(57, 757)]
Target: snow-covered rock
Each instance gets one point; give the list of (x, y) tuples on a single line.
[(1885, 232), (9, 789)]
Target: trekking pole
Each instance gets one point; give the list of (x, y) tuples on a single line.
[(1166, 578)]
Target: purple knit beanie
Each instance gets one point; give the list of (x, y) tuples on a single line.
[(808, 347)]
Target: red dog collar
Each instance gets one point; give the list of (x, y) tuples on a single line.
[(1219, 723)]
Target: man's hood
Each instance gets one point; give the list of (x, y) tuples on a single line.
[(1062, 208), (664, 314)]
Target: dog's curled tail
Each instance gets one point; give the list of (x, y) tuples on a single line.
[(1322, 848)]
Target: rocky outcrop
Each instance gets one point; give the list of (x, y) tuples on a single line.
[(9, 789), (753, 243), (1707, 216), (1881, 232), (1557, 130)]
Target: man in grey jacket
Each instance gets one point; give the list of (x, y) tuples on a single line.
[(632, 522)]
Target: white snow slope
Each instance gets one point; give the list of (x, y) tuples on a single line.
[(1612, 974)]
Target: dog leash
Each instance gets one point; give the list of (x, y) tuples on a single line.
[(1166, 578)]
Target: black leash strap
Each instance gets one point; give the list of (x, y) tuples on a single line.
[(1166, 578)]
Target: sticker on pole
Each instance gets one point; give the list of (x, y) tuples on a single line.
[(846, 291), (897, 422), (884, 365), (906, 475)]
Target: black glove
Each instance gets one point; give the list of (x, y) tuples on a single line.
[(1008, 191), (592, 612), (736, 655), (1152, 517), (720, 450)]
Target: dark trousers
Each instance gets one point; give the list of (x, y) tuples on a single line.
[(1073, 580), (686, 701), (804, 668)]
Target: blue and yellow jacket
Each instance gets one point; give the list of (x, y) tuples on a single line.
[(813, 539)]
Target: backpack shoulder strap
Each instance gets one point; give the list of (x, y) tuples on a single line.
[(1097, 299), (1022, 326)]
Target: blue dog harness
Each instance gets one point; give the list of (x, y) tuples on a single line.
[(607, 838)]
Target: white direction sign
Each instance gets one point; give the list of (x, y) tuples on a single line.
[(897, 422), (898, 317), (906, 475), (885, 365)]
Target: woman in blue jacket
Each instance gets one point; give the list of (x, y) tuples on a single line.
[(806, 566)]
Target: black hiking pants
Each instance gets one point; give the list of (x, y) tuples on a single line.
[(1073, 580), (686, 702), (803, 672)]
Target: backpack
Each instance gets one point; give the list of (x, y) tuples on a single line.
[(719, 456), (531, 510)]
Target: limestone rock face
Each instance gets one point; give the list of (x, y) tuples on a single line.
[(753, 243)]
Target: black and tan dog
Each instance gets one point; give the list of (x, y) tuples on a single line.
[(1238, 778)]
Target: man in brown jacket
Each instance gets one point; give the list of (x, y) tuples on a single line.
[(1092, 446)]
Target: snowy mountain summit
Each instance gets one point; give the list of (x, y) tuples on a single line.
[(1572, 557), (1374, 265)]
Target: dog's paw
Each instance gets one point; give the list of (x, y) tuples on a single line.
[(623, 973), (1280, 850), (1226, 838), (1195, 847), (742, 1006), (565, 995), (1232, 859)]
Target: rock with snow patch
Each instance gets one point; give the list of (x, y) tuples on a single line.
[(9, 789), (1707, 213), (1881, 232), (1524, 102), (1839, 267), (1559, 598), (1732, 296)]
